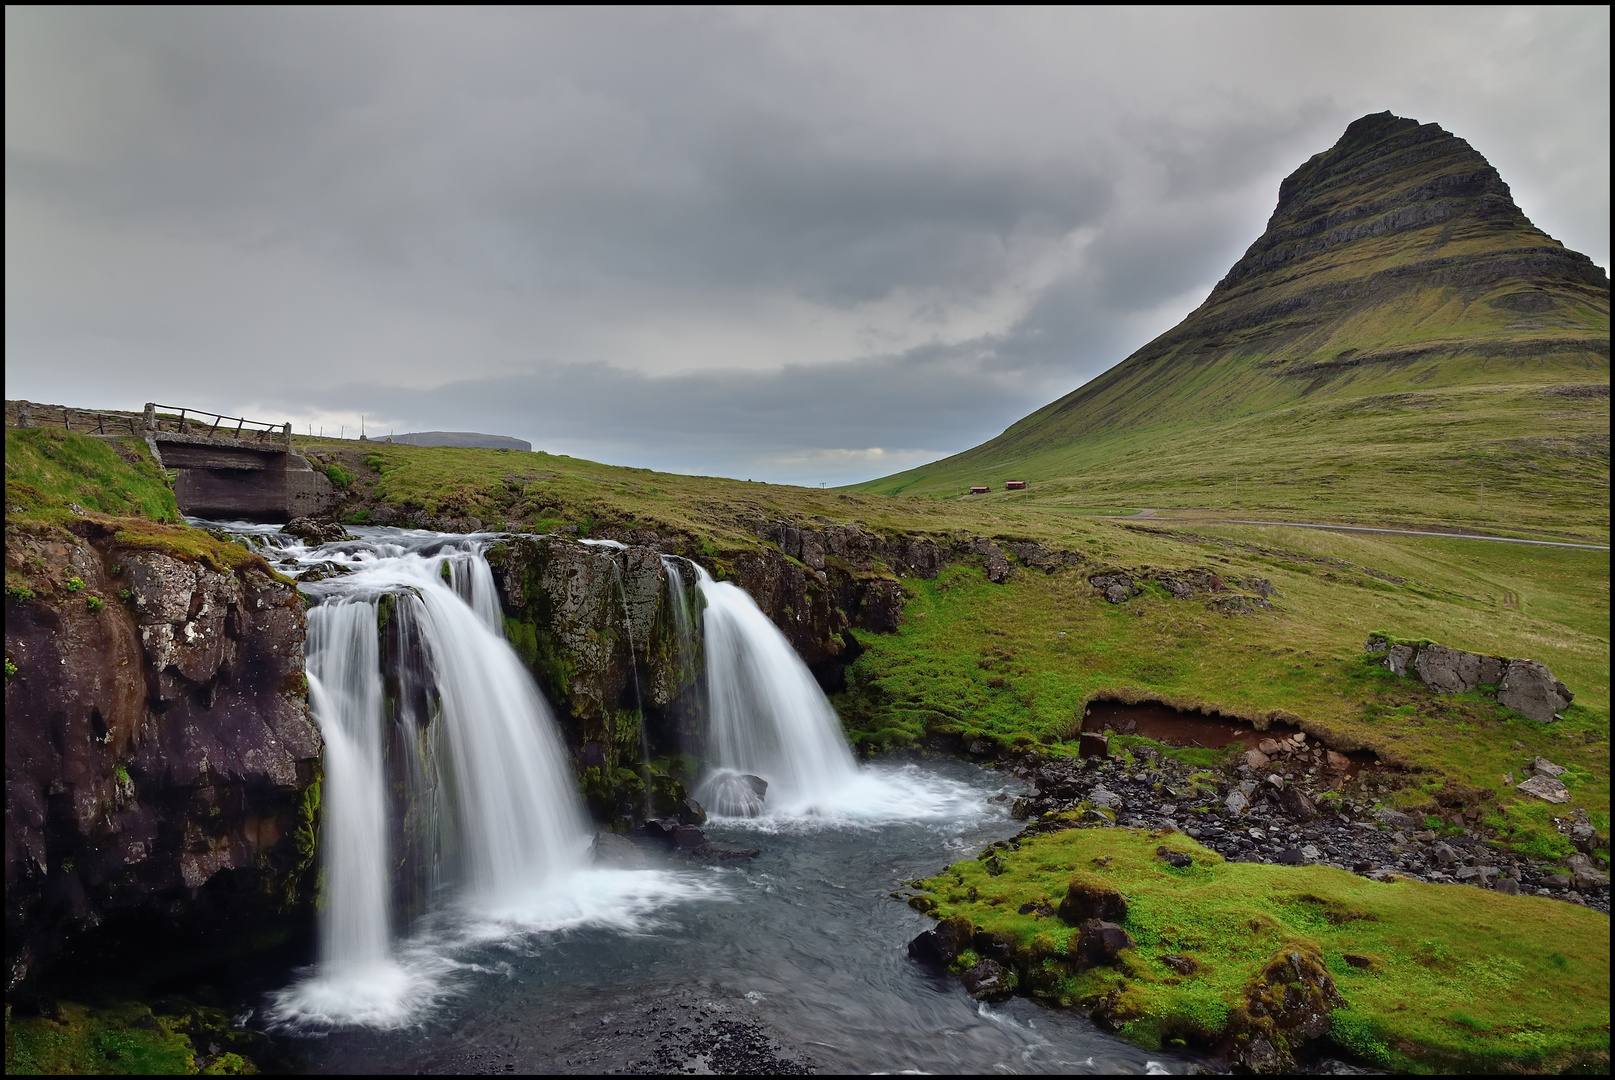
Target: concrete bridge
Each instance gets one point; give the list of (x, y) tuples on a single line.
[(246, 471), (223, 466)]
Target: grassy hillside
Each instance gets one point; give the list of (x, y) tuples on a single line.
[(1399, 336)]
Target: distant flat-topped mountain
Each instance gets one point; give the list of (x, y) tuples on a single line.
[(462, 438), (1399, 313)]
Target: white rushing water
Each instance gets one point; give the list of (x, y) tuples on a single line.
[(496, 833), (768, 718)]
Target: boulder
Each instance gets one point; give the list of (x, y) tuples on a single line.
[(1396, 819), (1290, 856), (691, 812), (1087, 899), (1256, 759), (1236, 802), (1178, 859), (1586, 878), (989, 981), (1443, 855), (1545, 788), (1297, 805), (1530, 689), (1116, 594), (313, 532), (1098, 944), (1454, 671), (1398, 658), (1543, 767), (1093, 745), (618, 851), (1183, 965), (942, 945)]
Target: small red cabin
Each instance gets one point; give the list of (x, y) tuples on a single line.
[(979, 490), (1014, 485)]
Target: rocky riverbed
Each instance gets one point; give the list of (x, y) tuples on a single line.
[(1300, 804)]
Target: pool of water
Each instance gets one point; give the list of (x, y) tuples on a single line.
[(803, 947)]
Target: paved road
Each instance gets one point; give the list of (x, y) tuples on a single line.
[(1399, 532)]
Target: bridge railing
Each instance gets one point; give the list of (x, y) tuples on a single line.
[(83, 421), (188, 421)]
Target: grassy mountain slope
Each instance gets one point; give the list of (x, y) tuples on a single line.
[(1400, 335)]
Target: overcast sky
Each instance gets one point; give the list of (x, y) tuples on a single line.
[(797, 245)]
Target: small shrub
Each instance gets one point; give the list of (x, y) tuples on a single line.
[(11, 669), (75, 583), (95, 604), (339, 476)]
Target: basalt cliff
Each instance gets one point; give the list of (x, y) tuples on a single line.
[(161, 764)]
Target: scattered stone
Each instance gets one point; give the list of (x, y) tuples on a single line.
[(1236, 802), (1291, 856), (1183, 965), (1509, 887), (1177, 859), (1443, 855), (1311, 852), (1543, 767), (1396, 819), (1295, 803), (1545, 788), (1256, 759), (1099, 943), (1093, 745), (1099, 796), (1586, 878), (988, 981), (1276, 780)]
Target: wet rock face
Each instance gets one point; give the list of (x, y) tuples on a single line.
[(597, 626), (156, 748), (1525, 686)]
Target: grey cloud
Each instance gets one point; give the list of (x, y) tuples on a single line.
[(942, 218)]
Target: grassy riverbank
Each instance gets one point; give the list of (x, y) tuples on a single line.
[(1434, 978)]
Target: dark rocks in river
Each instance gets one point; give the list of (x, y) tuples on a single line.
[(941, 946), (161, 763), (315, 532), (989, 980)]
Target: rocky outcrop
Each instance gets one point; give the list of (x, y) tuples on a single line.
[(161, 763), (1229, 595), (599, 627), (1525, 686)]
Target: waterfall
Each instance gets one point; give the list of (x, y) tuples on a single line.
[(767, 716), (344, 689), (486, 788)]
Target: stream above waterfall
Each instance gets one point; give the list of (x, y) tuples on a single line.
[(512, 950)]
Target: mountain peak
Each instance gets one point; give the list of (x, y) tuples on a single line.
[(1386, 174)]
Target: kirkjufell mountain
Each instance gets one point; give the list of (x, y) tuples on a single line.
[(1399, 312)]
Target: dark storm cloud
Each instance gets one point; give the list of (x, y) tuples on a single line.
[(791, 243)]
